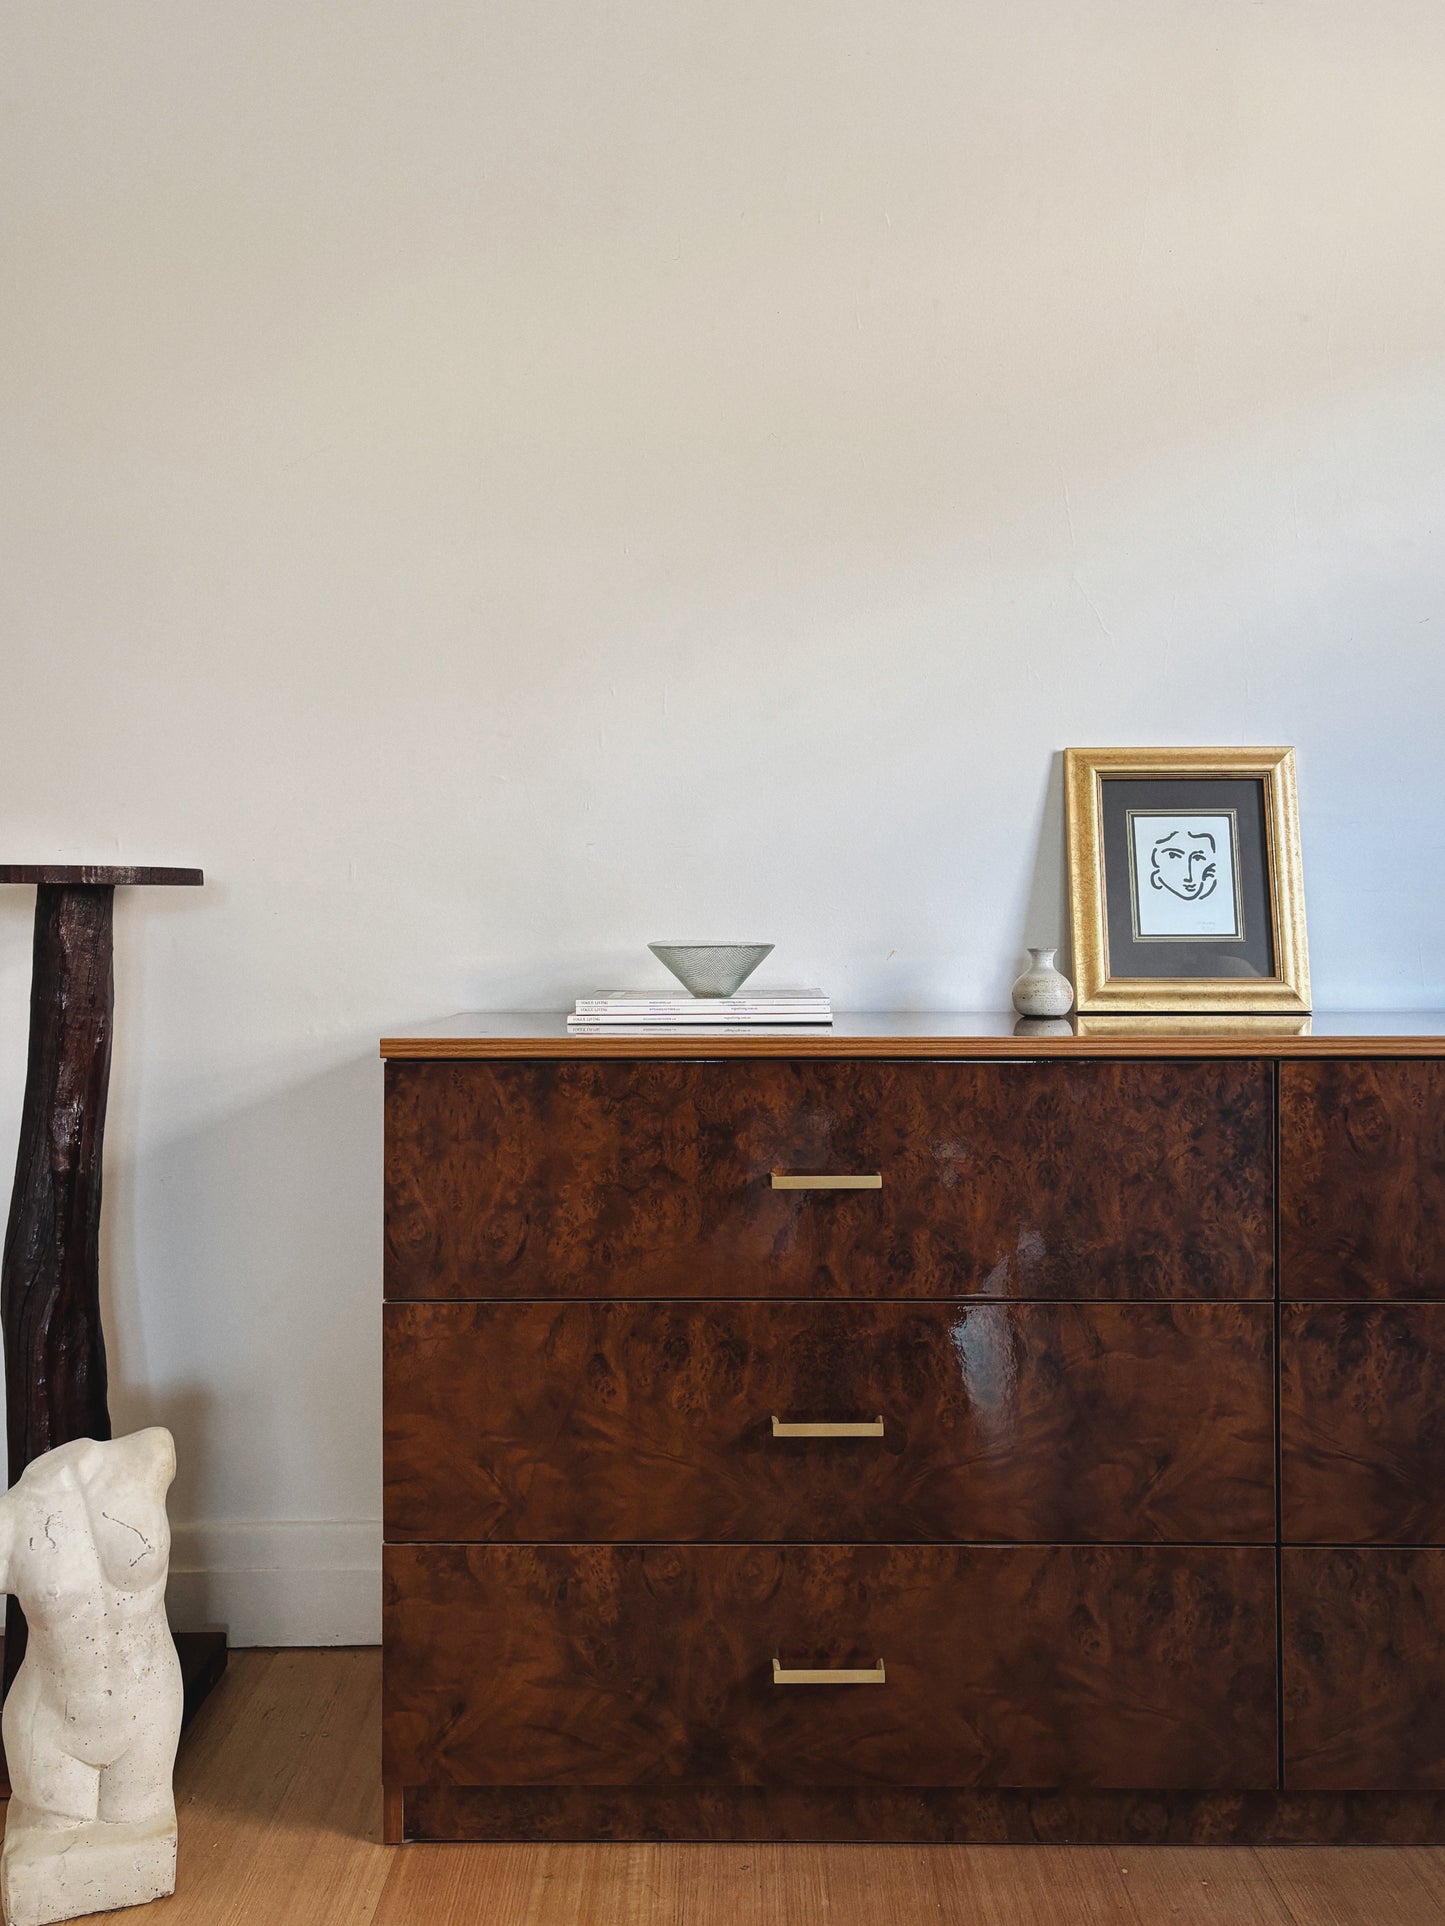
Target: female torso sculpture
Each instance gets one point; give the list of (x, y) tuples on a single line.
[(93, 1718)]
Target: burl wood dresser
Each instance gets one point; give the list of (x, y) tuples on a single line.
[(915, 1430)]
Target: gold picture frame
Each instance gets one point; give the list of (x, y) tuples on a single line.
[(1262, 958)]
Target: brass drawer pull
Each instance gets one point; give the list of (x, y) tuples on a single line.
[(862, 1180), (845, 1428), (838, 1675)]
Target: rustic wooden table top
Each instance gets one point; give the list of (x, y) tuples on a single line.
[(96, 875)]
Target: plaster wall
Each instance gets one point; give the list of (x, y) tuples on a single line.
[(497, 483)]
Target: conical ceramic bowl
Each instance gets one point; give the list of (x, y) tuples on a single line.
[(711, 969)]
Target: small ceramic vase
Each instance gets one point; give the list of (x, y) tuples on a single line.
[(1043, 991)]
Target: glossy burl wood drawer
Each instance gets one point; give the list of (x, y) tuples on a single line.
[(1362, 1423), (612, 1420), (1362, 1179), (1001, 1180), (1363, 1666), (1003, 1665)]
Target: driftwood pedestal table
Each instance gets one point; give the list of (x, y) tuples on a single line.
[(55, 1379)]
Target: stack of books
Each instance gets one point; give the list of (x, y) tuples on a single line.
[(643, 1008)]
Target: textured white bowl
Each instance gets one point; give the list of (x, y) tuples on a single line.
[(711, 969)]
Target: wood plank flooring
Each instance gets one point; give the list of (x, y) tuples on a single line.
[(280, 1809)]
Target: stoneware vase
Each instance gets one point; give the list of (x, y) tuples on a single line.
[(1043, 991)]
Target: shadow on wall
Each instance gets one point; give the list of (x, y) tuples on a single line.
[(242, 1302), (1046, 920)]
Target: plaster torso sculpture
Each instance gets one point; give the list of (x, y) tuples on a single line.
[(92, 1721)]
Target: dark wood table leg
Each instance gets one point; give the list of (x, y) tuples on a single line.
[(50, 1281), (55, 1379)]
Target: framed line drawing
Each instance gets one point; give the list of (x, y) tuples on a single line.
[(1185, 886)]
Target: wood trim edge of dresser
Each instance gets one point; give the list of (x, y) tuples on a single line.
[(393, 1813), (968, 1049)]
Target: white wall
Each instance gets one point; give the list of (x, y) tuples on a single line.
[(497, 482)]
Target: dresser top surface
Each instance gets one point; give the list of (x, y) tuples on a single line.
[(936, 1034)]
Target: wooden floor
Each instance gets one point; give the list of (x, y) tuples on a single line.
[(280, 1812)]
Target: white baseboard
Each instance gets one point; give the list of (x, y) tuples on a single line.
[(294, 1583)]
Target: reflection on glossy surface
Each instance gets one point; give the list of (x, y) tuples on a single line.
[(654, 1421), (988, 1369), (1223, 1028), (1044, 1027), (948, 1033), (654, 1179)]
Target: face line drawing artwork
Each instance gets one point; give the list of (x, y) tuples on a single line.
[(1190, 872), (1226, 820)]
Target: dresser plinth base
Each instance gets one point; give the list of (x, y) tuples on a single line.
[(935, 1815)]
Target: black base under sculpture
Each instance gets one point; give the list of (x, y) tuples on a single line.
[(55, 1381)]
